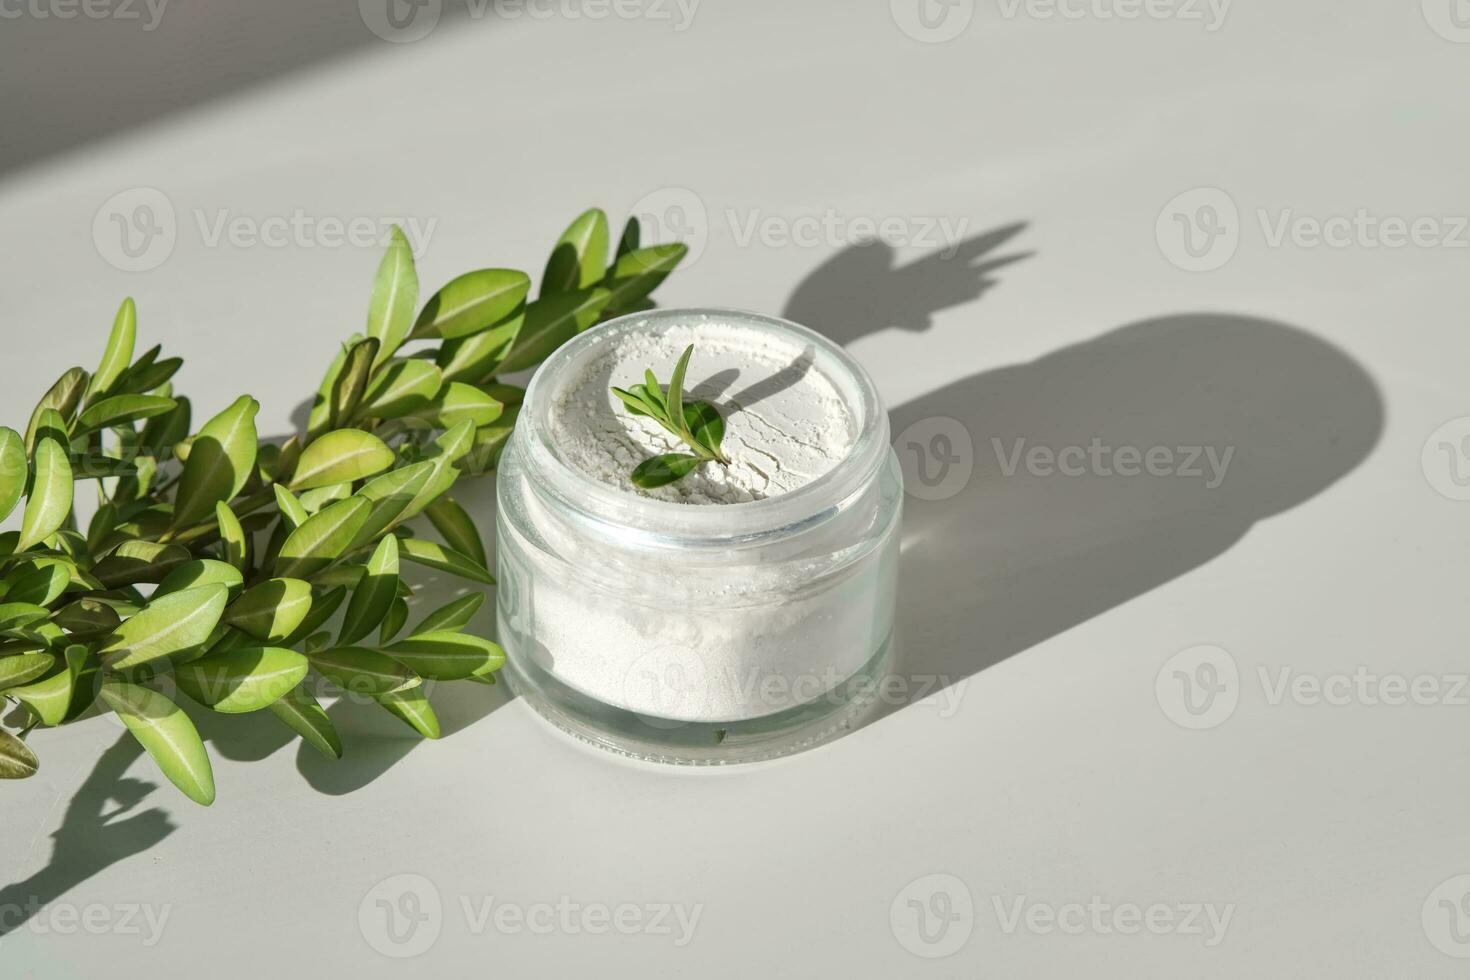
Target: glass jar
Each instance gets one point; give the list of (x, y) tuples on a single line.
[(698, 633)]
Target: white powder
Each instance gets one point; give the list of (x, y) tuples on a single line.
[(785, 423), (709, 635)]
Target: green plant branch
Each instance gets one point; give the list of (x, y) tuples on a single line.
[(698, 425), (195, 565)]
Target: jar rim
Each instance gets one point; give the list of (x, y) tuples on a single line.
[(626, 512)]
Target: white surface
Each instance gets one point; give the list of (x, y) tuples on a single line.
[(1049, 770)]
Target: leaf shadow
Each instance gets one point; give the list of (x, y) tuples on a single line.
[(864, 288), (997, 555), (91, 837)]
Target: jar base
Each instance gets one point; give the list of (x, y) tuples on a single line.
[(674, 742)]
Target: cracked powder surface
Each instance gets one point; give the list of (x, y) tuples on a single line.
[(785, 422)]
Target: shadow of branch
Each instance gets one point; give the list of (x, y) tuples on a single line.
[(92, 837), (862, 289)]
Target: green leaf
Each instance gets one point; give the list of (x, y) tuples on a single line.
[(241, 679), (444, 559), (454, 443), (60, 694), (51, 488), (119, 352), (122, 409), (162, 432), (373, 595), (139, 561), (458, 402), (446, 450), (227, 638), (231, 535), (198, 573), (87, 616), (300, 712), (322, 608), (64, 396), (17, 761), (580, 254), (285, 459), (220, 460), (471, 303), (653, 392), (272, 610), (315, 499), (550, 322), (629, 240), (170, 627), (390, 496), (637, 402), (359, 670), (400, 388), (414, 709), (705, 423), (393, 622), (474, 358), (508, 395), (339, 457), (452, 616), (458, 528), (674, 397), (41, 586), (144, 360), (322, 539), (662, 470), (148, 377), (351, 384), (320, 417), (24, 667), (293, 514), (348, 575), (167, 734), (395, 296), (490, 441), (445, 656), (13, 470), (637, 273), (17, 614), (92, 467)]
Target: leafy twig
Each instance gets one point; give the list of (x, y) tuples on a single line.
[(245, 549), (698, 424)]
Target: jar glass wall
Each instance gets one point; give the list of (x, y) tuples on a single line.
[(698, 633)]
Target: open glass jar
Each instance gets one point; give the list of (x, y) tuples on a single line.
[(692, 633)]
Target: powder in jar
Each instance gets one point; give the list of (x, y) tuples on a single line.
[(785, 423)]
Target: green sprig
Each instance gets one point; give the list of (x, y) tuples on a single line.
[(224, 560), (698, 424)]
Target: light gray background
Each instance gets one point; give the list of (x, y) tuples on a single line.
[(1053, 768)]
